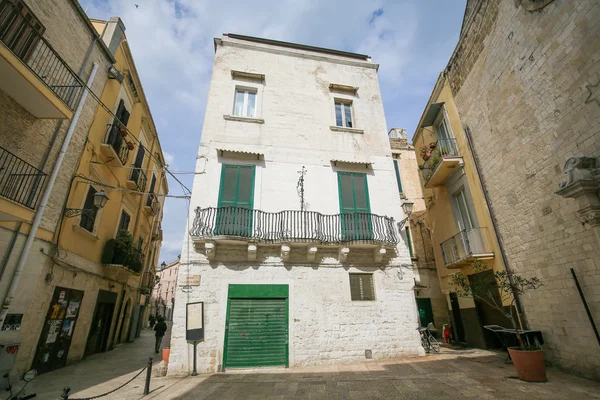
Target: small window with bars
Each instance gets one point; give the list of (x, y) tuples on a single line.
[(88, 217), (361, 287)]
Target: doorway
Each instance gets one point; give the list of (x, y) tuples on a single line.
[(458, 327), (101, 322), (57, 332), (123, 319), (425, 311)]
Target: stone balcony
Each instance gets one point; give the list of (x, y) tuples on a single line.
[(442, 161), (464, 247), (32, 72), (305, 231)]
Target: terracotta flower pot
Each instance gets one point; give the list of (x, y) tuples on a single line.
[(166, 352), (123, 131), (530, 365), (130, 146)]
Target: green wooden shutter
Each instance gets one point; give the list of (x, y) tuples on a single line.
[(354, 206), (409, 242), (256, 333), (398, 180), (425, 311), (236, 200)]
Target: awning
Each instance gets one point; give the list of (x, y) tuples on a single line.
[(366, 163), (431, 114), (221, 151)]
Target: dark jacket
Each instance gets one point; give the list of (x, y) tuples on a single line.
[(160, 328)]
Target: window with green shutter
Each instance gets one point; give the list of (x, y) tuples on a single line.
[(361, 287), (398, 180), (236, 200), (409, 242), (354, 206)]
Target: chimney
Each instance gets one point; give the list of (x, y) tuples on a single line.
[(113, 34)]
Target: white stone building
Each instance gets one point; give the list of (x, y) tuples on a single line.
[(287, 282)]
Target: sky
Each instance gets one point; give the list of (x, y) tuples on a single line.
[(172, 45)]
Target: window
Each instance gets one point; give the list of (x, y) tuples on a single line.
[(245, 103), (124, 222), (343, 114), (88, 218), (236, 200), (354, 206), (409, 242), (361, 287), (463, 217), (397, 168), (151, 194)]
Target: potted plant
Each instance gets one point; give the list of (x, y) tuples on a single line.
[(123, 131), (527, 359), (130, 145), (122, 251), (426, 152)]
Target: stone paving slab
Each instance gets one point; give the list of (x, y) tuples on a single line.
[(454, 374)]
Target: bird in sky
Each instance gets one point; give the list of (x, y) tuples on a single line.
[(136, 5)]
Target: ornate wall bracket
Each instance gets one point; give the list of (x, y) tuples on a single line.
[(583, 185)]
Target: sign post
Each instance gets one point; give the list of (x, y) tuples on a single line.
[(194, 327)]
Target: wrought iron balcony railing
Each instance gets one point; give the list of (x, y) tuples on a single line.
[(444, 148), (139, 177), (466, 244), (20, 181), (293, 226), (19, 35), (152, 202), (116, 141)]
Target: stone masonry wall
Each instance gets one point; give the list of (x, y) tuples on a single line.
[(526, 85)]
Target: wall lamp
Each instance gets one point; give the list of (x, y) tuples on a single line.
[(407, 207), (100, 199)]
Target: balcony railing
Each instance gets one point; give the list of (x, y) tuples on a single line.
[(25, 41), (293, 226), (139, 177), (465, 245), (442, 150), (20, 181), (116, 141), (153, 204)]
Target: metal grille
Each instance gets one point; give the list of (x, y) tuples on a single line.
[(115, 140), (302, 226), (23, 38), (362, 287), (139, 177), (20, 181)]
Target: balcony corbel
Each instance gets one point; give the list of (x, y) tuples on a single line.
[(343, 254), (210, 250), (285, 252), (311, 254), (252, 252), (378, 254)]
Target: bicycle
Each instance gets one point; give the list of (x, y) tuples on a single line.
[(428, 342)]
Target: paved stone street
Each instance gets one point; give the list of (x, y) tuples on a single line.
[(470, 373)]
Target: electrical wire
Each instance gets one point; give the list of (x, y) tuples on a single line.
[(85, 178)]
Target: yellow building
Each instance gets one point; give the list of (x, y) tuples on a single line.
[(461, 225), (74, 172)]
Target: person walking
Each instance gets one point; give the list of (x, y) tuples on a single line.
[(152, 321), (160, 328)]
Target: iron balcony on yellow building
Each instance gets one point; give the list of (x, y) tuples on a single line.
[(460, 221)]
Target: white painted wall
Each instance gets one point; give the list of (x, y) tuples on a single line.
[(297, 107)]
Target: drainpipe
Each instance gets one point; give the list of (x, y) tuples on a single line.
[(16, 277), (496, 231)]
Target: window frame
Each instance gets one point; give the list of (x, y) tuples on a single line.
[(360, 277), (344, 103), (86, 216), (458, 196), (124, 212), (246, 90)]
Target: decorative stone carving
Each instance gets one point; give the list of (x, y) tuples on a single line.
[(251, 252), (311, 254), (210, 250), (378, 254), (285, 252), (343, 254), (583, 184)]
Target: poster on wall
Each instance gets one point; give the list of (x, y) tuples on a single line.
[(53, 331), (195, 321), (61, 297), (72, 309), (67, 328)]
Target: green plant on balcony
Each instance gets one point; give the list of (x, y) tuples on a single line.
[(122, 251), (437, 158)]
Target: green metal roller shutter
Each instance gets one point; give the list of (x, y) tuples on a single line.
[(256, 333)]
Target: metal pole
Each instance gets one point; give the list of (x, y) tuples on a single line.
[(587, 309), (194, 373), (65, 393), (148, 376)]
